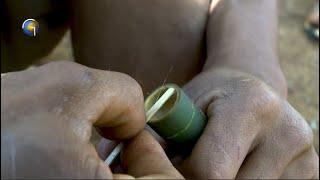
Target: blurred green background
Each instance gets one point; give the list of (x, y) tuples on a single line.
[(299, 58)]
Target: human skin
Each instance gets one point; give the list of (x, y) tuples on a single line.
[(252, 132), (152, 41), (47, 119)]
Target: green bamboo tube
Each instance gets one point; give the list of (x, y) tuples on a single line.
[(178, 120)]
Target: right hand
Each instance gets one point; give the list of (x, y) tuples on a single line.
[(47, 115), (252, 132)]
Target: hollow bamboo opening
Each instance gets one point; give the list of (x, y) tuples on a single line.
[(166, 107)]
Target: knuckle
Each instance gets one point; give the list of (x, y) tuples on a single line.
[(315, 164), (299, 133), (262, 100), (130, 84), (70, 78), (67, 71), (123, 84), (306, 134), (62, 64), (253, 96), (249, 98), (111, 80)]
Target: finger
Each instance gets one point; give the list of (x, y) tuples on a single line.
[(143, 157), (83, 96), (306, 166), (202, 97), (157, 137), (225, 142), (121, 103), (92, 167), (285, 142), (105, 147)]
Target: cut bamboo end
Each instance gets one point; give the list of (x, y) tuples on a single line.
[(161, 106), (178, 120), (150, 113), (166, 107)]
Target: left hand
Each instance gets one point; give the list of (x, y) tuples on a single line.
[(47, 115), (251, 133)]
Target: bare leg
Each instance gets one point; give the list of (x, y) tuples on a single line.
[(143, 38)]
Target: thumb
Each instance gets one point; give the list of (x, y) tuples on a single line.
[(144, 157)]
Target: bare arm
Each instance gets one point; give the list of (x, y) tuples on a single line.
[(242, 35), (252, 131)]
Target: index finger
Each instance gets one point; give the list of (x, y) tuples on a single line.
[(122, 103), (144, 157), (85, 97)]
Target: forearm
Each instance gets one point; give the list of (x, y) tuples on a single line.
[(242, 35)]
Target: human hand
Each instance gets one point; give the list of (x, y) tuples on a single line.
[(251, 132), (47, 116)]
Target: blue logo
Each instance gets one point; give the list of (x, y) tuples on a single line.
[(30, 27)]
